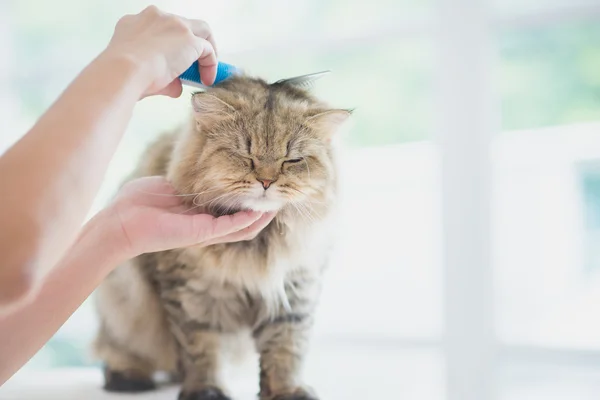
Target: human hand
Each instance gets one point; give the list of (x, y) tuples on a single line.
[(150, 216), (163, 46)]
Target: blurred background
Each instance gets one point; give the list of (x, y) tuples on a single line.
[(491, 106)]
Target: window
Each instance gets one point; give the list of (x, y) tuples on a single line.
[(467, 264), (548, 74), (589, 176)]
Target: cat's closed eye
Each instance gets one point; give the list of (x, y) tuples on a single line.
[(294, 160)]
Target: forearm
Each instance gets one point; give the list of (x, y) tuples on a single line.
[(145, 217), (49, 179), (27, 328)]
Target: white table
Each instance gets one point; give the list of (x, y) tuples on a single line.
[(338, 371)]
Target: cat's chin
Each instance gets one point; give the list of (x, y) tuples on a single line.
[(262, 205)]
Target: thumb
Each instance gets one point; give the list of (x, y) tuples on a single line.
[(173, 89)]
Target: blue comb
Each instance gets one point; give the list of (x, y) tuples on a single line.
[(191, 77)]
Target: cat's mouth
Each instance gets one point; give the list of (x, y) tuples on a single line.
[(259, 199)]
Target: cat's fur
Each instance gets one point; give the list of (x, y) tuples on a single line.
[(174, 310)]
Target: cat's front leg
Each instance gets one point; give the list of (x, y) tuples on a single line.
[(282, 342), (191, 309), (199, 348), (200, 354)]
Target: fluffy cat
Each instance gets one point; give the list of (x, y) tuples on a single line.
[(250, 145)]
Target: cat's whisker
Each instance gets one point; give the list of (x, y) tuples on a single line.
[(225, 199), (188, 210), (232, 203), (308, 214), (227, 204), (177, 195), (307, 197), (301, 212), (196, 198), (310, 211), (228, 197), (311, 218), (309, 206), (296, 209), (311, 201), (214, 199), (307, 167), (197, 205)]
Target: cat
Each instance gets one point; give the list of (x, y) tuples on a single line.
[(249, 146)]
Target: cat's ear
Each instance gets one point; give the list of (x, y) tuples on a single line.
[(208, 107), (327, 123)]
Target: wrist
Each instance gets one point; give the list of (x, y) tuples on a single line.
[(104, 235), (126, 66)]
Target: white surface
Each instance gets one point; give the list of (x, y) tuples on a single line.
[(344, 371), (340, 371)]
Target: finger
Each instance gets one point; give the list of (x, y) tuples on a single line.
[(181, 230), (207, 61), (206, 227), (198, 27), (248, 233), (228, 224), (206, 47), (173, 89), (202, 30), (153, 10)]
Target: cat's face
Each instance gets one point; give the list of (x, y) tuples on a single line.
[(262, 148)]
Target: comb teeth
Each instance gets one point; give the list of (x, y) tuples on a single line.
[(303, 81), (192, 75)]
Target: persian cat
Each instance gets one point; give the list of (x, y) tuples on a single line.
[(249, 146)]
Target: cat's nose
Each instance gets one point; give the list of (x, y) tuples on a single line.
[(265, 182)]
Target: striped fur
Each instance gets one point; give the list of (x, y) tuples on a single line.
[(176, 310)]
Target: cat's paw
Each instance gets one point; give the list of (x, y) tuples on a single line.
[(116, 381), (203, 394), (295, 396), (299, 394)]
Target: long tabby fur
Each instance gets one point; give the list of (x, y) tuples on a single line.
[(173, 310)]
